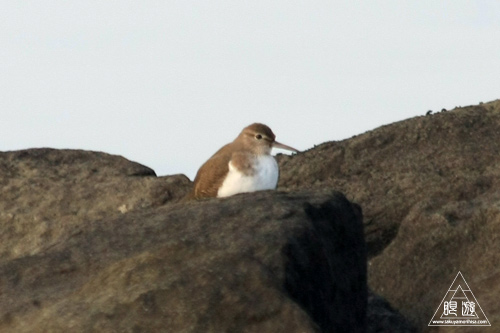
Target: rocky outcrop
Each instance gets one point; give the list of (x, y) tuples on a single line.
[(93, 242), (430, 192), (90, 246), (47, 194)]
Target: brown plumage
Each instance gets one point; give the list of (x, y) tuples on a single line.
[(254, 141)]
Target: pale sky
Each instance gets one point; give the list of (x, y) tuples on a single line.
[(167, 83)]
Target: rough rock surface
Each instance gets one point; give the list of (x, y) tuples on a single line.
[(430, 192), (88, 238), (48, 194), (382, 317), (88, 246)]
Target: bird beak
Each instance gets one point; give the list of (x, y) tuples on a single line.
[(276, 144)]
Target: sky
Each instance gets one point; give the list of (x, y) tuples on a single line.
[(167, 83)]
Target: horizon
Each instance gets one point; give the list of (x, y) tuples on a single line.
[(167, 84)]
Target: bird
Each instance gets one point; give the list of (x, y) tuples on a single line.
[(244, 165)]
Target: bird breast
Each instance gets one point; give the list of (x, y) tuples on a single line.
[(264, 176)]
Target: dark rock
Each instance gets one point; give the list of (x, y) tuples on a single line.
[(93, 242), (261, 262), (332, 305), (429, 188), (382, 317)]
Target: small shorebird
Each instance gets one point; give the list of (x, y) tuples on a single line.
[(244, 165)]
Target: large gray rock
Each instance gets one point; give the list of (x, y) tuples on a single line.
[(430, 192), (47, 194), (261, 262), (97, 243)]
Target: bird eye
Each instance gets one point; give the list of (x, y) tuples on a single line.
[(258, 136)]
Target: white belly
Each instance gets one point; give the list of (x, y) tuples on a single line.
[(265, 177)]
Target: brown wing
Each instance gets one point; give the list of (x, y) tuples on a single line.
[(211, 174)]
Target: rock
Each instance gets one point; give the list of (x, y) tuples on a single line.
[(48, 194), (93, 242), (430, 192), (90, 246), (382, 317)]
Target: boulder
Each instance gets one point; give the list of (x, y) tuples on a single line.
[(48, 194), (430, 192), (95, 243)]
